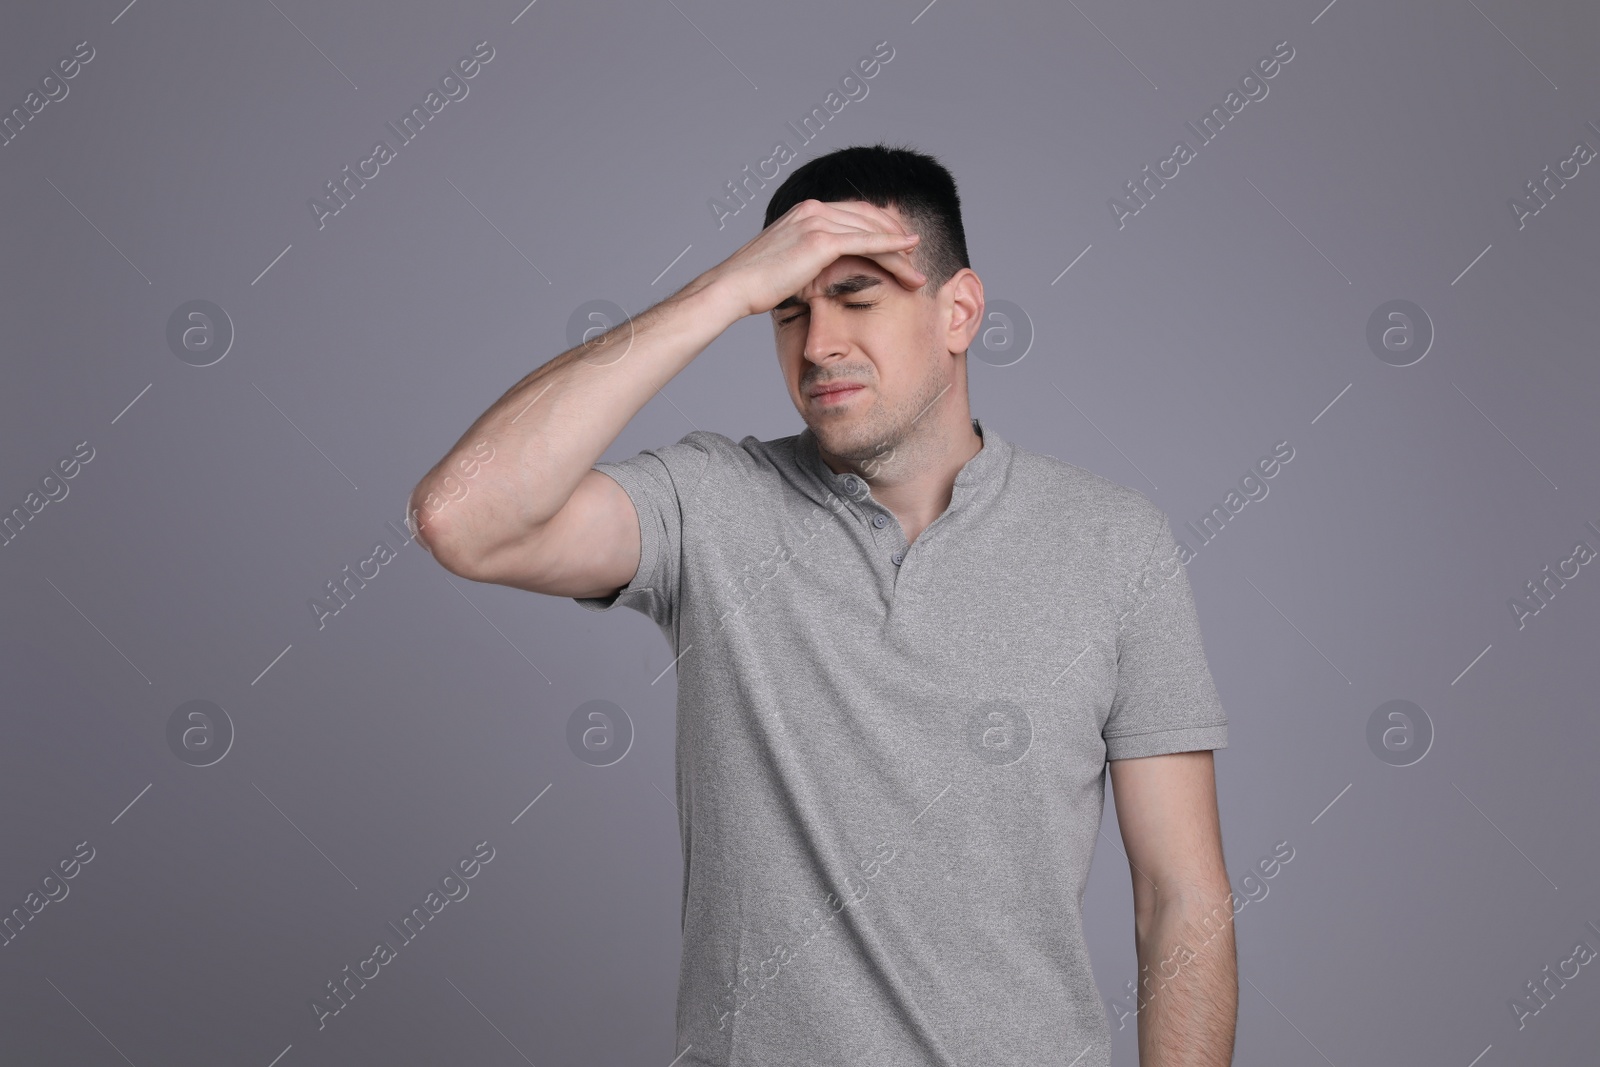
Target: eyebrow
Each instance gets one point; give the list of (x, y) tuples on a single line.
[(853, 283)]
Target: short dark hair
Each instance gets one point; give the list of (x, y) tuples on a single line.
[(918, 185)]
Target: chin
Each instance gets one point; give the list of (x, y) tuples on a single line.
[(854, 440)]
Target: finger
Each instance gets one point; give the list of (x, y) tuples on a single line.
[(873, 216), (890, 250), (865, 214), (886, 248), (881, 239), (902, 267)]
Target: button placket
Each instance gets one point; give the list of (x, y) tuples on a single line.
[(978, 474), (880, 521), (859, 492)]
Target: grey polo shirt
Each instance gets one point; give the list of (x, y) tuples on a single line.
[(892, 758)]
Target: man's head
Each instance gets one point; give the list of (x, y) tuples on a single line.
[(856, 322)]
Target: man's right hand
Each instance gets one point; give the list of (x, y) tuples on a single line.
[(543, 518), (779, 261)]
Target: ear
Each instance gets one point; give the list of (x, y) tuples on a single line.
[(963, 295)]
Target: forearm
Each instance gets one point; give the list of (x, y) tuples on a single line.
[(1188, 984), (518, 464)]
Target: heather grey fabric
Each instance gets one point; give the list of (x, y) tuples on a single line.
[(891, 761)]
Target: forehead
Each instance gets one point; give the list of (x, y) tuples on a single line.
[(839, 280), (842, 268)]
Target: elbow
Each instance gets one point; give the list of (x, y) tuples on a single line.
[(426, 529), (1202, 906)]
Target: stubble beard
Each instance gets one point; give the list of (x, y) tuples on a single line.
[(872, 437)]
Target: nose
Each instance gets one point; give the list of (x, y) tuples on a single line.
[(825, 335)]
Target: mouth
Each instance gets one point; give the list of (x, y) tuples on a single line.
[(832, 394)]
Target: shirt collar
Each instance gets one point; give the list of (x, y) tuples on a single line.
[(982, 470)]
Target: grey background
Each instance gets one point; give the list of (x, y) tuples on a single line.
[(371, 754)]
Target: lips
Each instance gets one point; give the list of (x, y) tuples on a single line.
[(828, 391)]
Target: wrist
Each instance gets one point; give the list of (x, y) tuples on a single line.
[(716, 299)]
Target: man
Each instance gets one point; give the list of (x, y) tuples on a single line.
[(905, 651)]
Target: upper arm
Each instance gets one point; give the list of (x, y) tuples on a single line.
[(1167, 809), (1165, 699), (589, 548)]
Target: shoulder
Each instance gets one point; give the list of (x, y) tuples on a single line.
[(703, 458), (694, 453), (724, 449), (700, 449), (1064, 493)]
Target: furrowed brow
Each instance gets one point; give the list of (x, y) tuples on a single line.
[(845, 286)]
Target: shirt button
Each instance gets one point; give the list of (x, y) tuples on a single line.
[(898, 557), (880, 521), (850, 483)]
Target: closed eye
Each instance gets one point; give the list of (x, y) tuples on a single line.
[(804, 311)]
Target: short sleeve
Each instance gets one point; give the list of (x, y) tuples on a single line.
[(658, 481), (1166, 700)]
